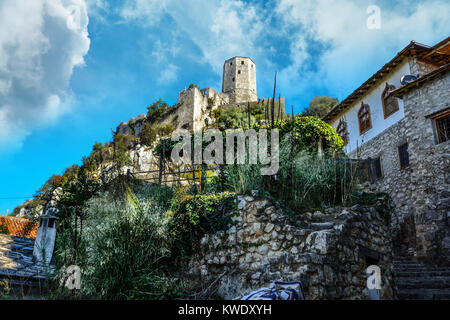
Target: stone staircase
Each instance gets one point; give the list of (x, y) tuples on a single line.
[(417, 281)]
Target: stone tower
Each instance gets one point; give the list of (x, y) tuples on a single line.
[(239, 79)]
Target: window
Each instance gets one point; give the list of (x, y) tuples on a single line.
[(233, 79), (341, 130), (242, 62), (239, 71), (442, 126), (51, 222), (390, 103), (403, 155), (231, 63), (365, 123), (377, 168)]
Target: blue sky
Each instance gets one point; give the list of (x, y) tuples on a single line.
[(74, 69)]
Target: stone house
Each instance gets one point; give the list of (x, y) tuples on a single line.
[(400, 118)]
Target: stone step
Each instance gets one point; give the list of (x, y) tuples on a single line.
[(424, 273), (423, 294), (423, 283), (422, 269)]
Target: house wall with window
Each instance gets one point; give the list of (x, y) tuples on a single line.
[(429, 155), (374, 100), (415, 165)]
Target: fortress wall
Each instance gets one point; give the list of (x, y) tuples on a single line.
[(328, 252)]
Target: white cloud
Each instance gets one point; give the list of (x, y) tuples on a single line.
[(325, 43), (220, 29), (148, 11), (168, 74), (41, 41), (353, 49)]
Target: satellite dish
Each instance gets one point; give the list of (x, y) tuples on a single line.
[(407, 79)]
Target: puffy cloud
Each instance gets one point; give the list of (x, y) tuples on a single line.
[(41, 42), (351, 50), (168, 74), (322, 43), (219, 28), (147, 11)]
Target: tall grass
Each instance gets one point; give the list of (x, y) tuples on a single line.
[(126, 247), (305, 180)]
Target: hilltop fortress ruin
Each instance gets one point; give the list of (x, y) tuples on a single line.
[(195, 106)]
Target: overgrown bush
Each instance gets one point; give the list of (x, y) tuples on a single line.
[(197, 215), (125, 247), (307, 132), (150, 132), (156, 110)]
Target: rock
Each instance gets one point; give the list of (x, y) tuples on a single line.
[(232, 230), (261, 204), (319, 241), (322, 226), (269, 211), (269, 227), (242, 204), (263, 249)]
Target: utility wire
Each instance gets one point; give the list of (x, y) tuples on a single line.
[(12, 198)]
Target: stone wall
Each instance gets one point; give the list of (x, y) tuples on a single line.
[(430, 168), (328, 252), (239, 80), (420, 191), (419, 68)]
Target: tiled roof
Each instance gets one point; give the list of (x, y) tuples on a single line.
[(436, 55), (16, 260), (18, 227)]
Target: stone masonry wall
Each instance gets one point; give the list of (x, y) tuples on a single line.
[(430, 168), (239, 79), (420, 192), (328, 252), (419, 68)]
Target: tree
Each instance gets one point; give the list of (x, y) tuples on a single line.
[(156, 110), (306, 133), (319, 106)]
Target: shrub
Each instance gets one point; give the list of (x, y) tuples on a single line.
[(156, 110), (197, 215), (150, 132), (125, 247), (308, 131)]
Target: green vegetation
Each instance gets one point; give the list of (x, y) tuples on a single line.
[(133, 240), (156, 110), (308, 132), (319, 106), (197, 215), (236, 117), (134, 245), (150, 132)]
